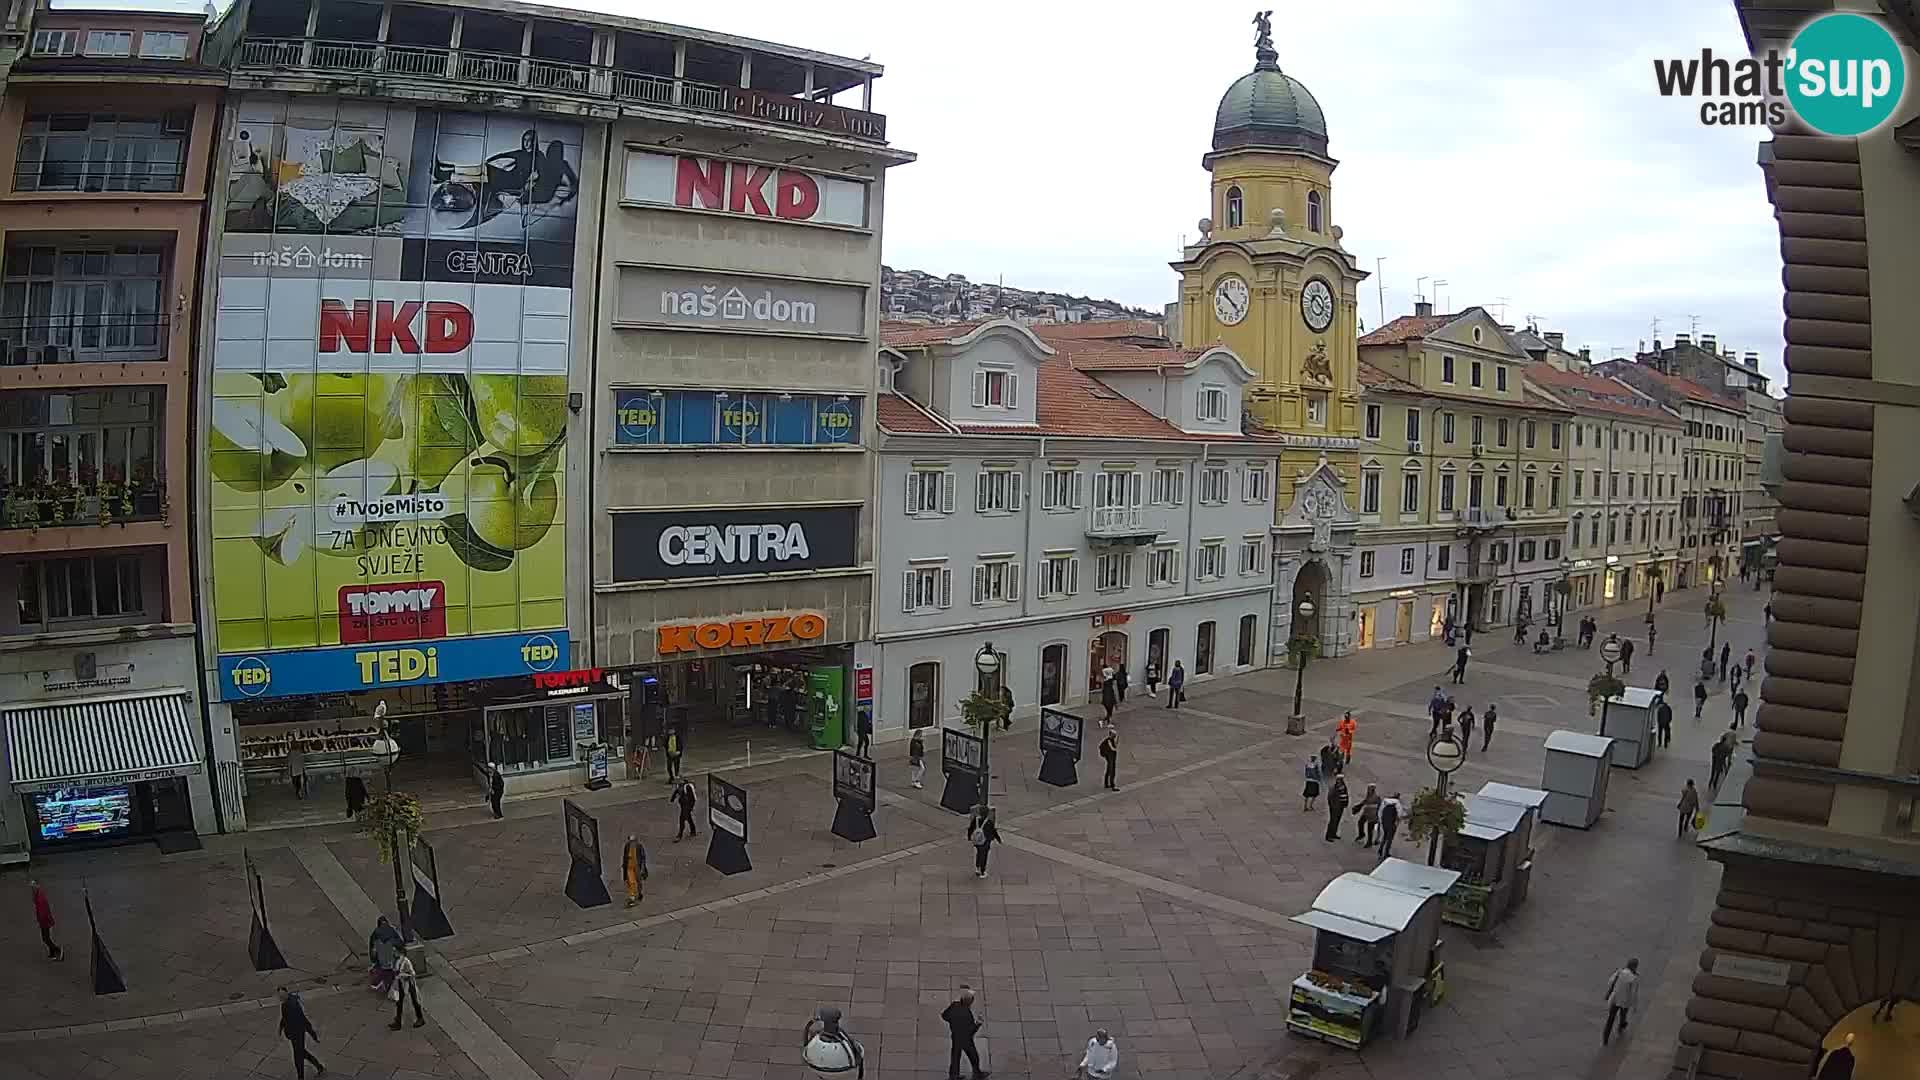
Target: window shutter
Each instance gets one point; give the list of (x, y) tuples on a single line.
[(1013, 489), (1133, 494), (1079, 489), (1013, 391), (1073, 575), (980, 490), (1173, 565), (1013, 581), (946, 494), (913, 491), (946, 587), (979, 582), (907, 591), (979, 389)]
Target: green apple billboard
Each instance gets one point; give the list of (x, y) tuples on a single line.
[(389, 411)]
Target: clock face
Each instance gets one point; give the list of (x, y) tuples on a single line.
[(1316, 304), (1230, 300)]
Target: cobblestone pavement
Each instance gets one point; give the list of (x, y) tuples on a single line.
[(1160, 911)]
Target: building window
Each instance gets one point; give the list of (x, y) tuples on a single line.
[(62, 304), (1574, 535), (1406, 560), (1500, 431), (1113, 571), (1370, 491), (996, 581), (1059, 576), (1249, 627), (929, 492), (1475, 490), (1477, 431), (1060, 489), (1628, 529), (1550, 549), (1526, 491), (1526, 551), (1497, 552), (1500, 377), (923, 694), (109, 43), (101, 445), (1579, 435), (996, 491), (1213, 403), (1613, 528), (1446, 369), (1553, 492), (1500, 490), (1446, 491), (1203, 649), (1163, 565), (1613, 485), (1446, 428), (1210, 560), (996, 389), (1313, 211), (1316, 409), (1629, 485), (1115, 490), (1443, 557), (1373, 421), (1413, 425), (927, 588), (1596, 483), (1529, 433), (1366, 564), (1236, 208), (163, 45), (1213, 485), (1169, 486), (55, 591), (1593, 531), (1410, 493), (1258, 489), (1473, 373), (1578, 487), (1553, 436), (56, 42), (1616, 438), (1253, 555)]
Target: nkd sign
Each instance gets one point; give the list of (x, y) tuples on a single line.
[(750, 189), (654, 296)]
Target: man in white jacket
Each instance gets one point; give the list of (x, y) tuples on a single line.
[(1622, 991), (1102, 1056)]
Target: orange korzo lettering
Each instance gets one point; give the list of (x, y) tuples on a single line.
[(748, 632), (777, 629), (675, 639)]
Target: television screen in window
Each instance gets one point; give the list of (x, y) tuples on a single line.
[(83, 813)]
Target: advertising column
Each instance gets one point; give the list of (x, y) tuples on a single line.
[(389, 406)]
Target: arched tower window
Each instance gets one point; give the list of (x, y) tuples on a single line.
[(1236, 214), (1313, 211)]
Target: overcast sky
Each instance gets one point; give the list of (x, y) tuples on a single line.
[(1515, 148)]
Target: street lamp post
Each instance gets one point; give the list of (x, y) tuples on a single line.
[(1446, 754), (387, 751), (1654, 578), (987, 663), (1609, 652), (1301, 646), (1565, 598)]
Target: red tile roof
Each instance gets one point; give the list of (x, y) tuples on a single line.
[(1407, 328), (903, 417), (1100, 329), (1377, 379), (1588, 392), (909, 334), (1676, 384), (1116, 356)]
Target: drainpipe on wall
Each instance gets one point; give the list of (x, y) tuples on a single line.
[(1026, 513)]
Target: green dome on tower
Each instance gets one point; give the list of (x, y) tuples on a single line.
[(1269, 108)]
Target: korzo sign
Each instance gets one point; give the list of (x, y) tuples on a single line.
[(665, 544)]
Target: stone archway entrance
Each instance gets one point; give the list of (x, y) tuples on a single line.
[(1310, 585)]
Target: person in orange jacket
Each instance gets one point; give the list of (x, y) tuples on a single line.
[(1345, 730)]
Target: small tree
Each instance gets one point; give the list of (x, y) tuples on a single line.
[(1602, 687), (393, 817), (1716, 613), (984, 711), (1302, 649), (1431, 810)]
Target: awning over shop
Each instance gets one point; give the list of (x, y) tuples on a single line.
[(90, 742)]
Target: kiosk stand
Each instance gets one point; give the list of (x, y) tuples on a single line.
[(1376, 954), (1487, 851), (1575, 778), (1629, 720), (1532, 799)]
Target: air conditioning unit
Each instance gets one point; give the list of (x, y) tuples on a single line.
[(1413, 446), (1479, 448)]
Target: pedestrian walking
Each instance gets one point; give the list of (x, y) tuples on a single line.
[(1460, 659), (1436, 705), (1176, 685), (1735, 676), (1622, 991), (917, 759), (864, 726), (1722, 756), (1726, 652), (1006, 698), (296, 1028), (297, 768), (1699, 697), (1368, 811), (1748, 663), (1689, 806), (1487, 720), (1330, 762), (384, 947), (1120, 679), (633, 869), (1312, 790), (1626, 656), (1336, 804), (1653, 637), (1110, 751), (1346, 729), (1153, 679), (1768, 611), (1661, 684), (1663, 718), (962, 1025), (1102, 1056), (43, 916), (674, 750), (982, 823), (1838, 1064), (406, 983), (496, 789), (1466, 726), (684, 798), (1739, 707), (1389, 823), (1109, 694), (356, 790)]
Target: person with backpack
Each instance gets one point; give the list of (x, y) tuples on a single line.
[(984, 833), (673, 754), (684, 798), (1110, 751), (1699, 697)]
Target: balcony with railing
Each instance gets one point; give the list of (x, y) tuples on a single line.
[(82, 457), (64, 300), (1120, 525)]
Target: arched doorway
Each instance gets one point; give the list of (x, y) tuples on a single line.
[(1053, 674), (1310, 584), (1106, 650)]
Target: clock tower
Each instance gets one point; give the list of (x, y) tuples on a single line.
[(1270, 279)]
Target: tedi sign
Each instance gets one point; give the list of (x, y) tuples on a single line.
[(1843, 75), (659, 544), (747, 188)]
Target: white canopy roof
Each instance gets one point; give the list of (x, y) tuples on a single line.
[(1573, 742)]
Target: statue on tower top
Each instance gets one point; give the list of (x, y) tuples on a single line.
[(1263, 50)]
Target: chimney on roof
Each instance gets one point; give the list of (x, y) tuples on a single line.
[(1656, 344), (1753, 361), (1586, 355), (1681, 339), (1422, 308), (1556, 339), (1710, 343)]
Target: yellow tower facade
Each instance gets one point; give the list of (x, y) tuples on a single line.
[(1269, 279)]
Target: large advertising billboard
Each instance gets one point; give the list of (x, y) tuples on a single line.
[(389, 414)]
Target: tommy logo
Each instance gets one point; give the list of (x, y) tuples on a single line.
[(405, 611)]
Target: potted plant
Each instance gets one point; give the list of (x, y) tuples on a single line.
[(393, 817), (1433, 810), (1602, 687)]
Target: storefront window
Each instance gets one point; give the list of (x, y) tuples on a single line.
[(923, 694), (538, 735), (1249, 626), (1203, 649)]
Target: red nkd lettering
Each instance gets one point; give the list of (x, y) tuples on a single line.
[(386, 326), (748, 194), (700, 185), (796, 196)]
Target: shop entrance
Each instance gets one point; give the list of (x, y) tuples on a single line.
[(1403, 622), (923, 693), (1053, 674), (734, 709), (1157, 650), (1108, 650), (1364, 640)]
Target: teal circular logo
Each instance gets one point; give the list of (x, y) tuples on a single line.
[(1845, 74)]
